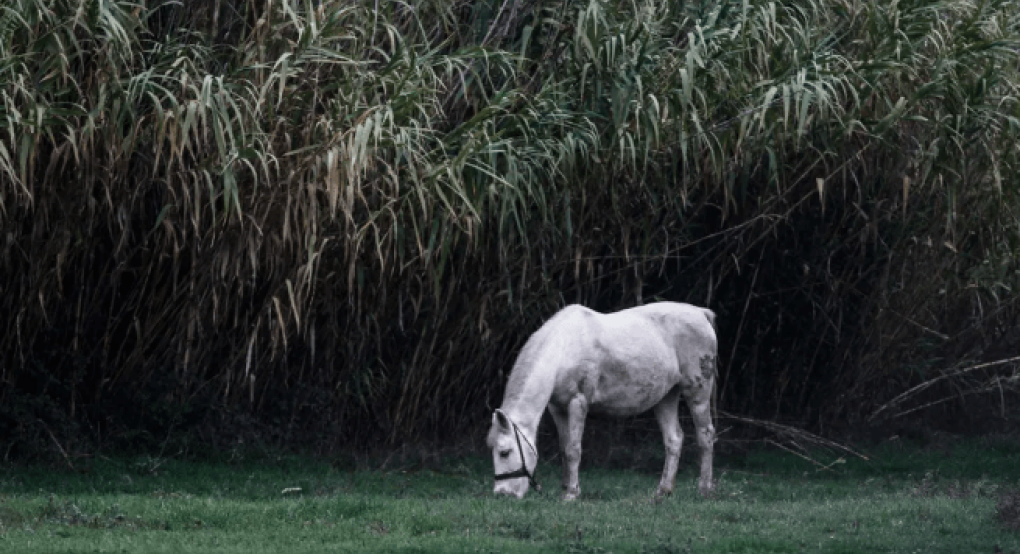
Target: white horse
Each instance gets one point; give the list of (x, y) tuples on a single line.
[(619, 364)]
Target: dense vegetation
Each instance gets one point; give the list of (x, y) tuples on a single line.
[(346, 216)]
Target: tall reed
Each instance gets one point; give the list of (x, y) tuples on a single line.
[(347, 216)]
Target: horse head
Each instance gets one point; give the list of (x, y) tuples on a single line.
[(513, 455)]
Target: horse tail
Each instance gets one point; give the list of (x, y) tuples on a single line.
[(710, 315), (714, 402)]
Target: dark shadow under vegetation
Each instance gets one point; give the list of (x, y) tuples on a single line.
[(330, 226), (1008, 509)]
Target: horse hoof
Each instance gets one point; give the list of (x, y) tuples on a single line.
[(569, 496)]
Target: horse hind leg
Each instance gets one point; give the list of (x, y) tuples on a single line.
[(667, 413), (699, 400)]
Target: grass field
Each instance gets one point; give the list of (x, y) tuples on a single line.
[(905, 499)]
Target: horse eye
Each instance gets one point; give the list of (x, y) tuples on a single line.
[(504, 453)]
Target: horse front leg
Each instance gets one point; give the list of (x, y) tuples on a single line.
[(561, 418), (571, 430)]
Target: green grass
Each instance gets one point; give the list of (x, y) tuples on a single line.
[(903, 500)]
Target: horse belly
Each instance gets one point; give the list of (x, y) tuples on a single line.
[(627, 401), (634, 379)]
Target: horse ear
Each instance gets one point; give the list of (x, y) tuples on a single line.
[(500, 419)]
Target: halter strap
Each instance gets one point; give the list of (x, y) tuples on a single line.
[(523, 470)]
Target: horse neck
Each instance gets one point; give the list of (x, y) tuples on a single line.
[(526, 401)]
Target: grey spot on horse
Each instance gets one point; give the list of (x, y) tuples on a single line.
[(708, 366)]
